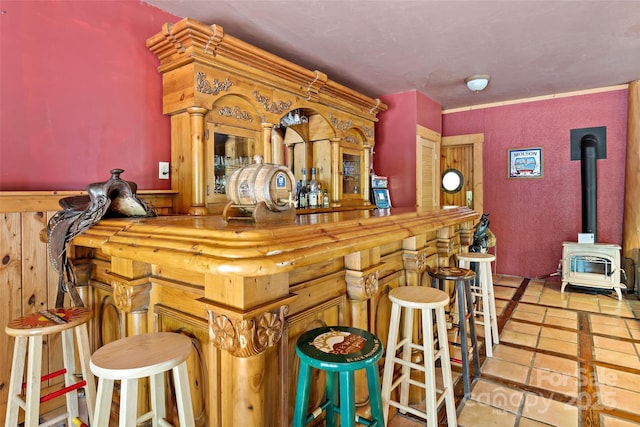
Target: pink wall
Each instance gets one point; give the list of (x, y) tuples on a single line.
[(532, 217), (395, 150), (80, 94)]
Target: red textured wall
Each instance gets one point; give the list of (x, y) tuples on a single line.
[(532, 217), (395, 150), (80, 94)]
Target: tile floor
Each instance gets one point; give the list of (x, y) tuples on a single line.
[(565, 360)]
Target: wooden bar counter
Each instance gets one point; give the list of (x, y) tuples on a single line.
[(245, 293)]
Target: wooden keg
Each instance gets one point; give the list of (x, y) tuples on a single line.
[(262, 182)]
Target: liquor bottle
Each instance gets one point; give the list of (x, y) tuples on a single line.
[(302, 194), (313, 190), (325, 198)]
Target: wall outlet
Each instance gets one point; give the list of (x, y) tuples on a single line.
[(163, 170)]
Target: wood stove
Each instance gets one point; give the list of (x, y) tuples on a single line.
[(592, 265)]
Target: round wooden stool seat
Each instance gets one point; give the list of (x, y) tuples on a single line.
[(419, 297), (29, 331), (482, 290), (339, 351), (463, 278), (140, 356), (476, 257), (429, 304)]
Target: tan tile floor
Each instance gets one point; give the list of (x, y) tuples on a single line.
[(565, 360)]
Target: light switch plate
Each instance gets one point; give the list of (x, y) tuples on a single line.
[(163, 170)]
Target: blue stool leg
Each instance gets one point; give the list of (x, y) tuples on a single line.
[(375, 401), (302, 395), (333, 396), (347, 399)]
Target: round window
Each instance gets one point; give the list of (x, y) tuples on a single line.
[(452, 181)]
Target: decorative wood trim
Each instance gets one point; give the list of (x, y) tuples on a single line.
[(537, 98), (38, 201)]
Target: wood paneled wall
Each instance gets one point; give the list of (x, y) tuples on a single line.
[(28, 283)]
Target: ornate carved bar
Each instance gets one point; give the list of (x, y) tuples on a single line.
[(244, 294)]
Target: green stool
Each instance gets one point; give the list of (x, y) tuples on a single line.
[(339, 351)]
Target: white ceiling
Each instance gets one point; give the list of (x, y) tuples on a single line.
[(530, 48)]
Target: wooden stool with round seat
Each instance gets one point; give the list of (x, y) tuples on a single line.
[(482, 290), (462, 278), (30, 331), (339, 351), (429, 302), (139, 356)]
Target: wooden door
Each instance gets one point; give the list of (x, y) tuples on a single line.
[(427, 168), (464, 154)]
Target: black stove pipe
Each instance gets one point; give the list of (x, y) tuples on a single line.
[(588, 156)]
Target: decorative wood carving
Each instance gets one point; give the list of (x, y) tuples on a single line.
[(246, 337), (213, 88), (362, 285), (131, 296)]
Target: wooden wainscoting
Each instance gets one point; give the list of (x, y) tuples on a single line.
[(28, 283)]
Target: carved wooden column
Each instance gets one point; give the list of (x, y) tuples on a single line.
[(362, 273), (447, 245), (277, 146), (290, 156), (272, 152), (245, 366), (366, 185), (336, 179), (246, 321), (198, 186), (131, 289)]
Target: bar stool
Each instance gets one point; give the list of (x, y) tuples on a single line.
[(339, 351), (31, 329), (462, 278), (482, 289), (139, 356), (430, 301)]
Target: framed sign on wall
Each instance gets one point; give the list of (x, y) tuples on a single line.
[(525, 163)]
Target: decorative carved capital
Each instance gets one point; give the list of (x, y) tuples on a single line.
[(415, 261), (247, 337), (362, 285), (131, 297), (466, 237)]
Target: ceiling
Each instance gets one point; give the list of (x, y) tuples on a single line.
[(530, 48)]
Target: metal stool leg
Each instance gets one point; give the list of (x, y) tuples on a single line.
[(464, 351), (472, 330)]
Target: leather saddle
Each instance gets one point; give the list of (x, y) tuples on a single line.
[(113, 198)]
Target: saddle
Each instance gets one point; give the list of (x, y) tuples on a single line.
[(112, 198)]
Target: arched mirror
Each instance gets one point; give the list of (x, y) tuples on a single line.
[(452, 181)]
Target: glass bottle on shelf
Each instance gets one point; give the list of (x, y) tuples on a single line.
[(313, 190), (302, 194), (325, 198)]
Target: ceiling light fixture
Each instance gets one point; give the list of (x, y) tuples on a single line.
[(478, 82)]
